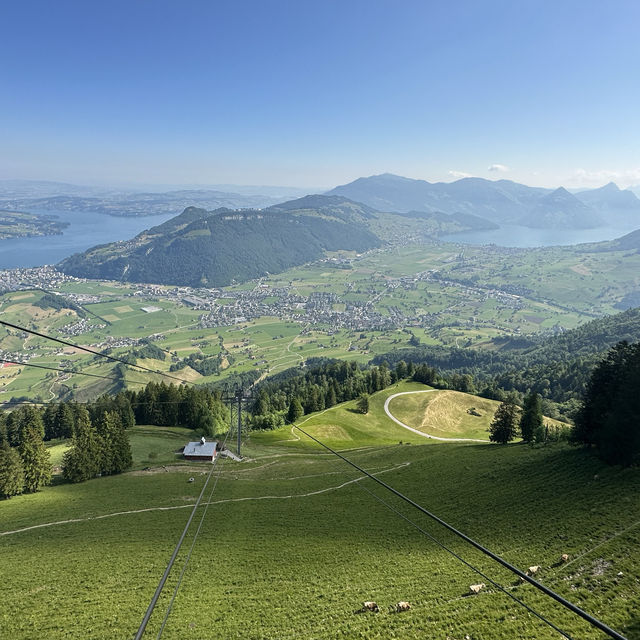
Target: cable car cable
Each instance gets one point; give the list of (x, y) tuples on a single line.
[(465, 562), (73, 373), (165, 575), (193, 543), (92, 351), (563, 601)]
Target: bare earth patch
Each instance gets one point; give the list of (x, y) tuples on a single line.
[(581, 270)]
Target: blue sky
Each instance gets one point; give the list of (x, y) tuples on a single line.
[(319, 93)]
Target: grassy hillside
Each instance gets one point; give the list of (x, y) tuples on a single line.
[(291, 544), (446, 414)]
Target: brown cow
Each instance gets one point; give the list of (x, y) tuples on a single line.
[(401, 606)]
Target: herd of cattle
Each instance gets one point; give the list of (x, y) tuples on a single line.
[(474, 589), (369, 605)]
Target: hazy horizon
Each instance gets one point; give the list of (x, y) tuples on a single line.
[(264, 189), (299, 94)]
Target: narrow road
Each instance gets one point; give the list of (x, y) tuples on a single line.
[(421, 433)]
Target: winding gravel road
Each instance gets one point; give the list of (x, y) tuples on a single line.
[(420, 433)]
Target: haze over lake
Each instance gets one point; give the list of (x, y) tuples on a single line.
[(86, 229), (511, 235)]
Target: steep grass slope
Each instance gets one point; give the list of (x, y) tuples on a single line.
[(291, 545)]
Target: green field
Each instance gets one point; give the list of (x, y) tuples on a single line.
[(293, 542), (448, 414), (446, 294)]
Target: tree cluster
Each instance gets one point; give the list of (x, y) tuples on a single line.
[(24, 465), (97, 448), (169, 405), (557, 368), (608, 415), (296, 393)]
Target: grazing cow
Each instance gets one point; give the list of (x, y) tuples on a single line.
[(370, 606), (531, 571), (401, 606), (477, 588)]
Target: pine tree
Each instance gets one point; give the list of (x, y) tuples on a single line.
[(401, 370), (35, 458), (11, 471), (331, 397), (531, 418), (608, 415), (295, 411), (82, 461), (363, 403), (503, 425), (116, 452), (64, 421)]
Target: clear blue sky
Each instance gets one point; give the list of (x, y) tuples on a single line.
[(318, 93)]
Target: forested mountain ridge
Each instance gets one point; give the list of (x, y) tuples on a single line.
[(217, 248), (220, 247), (556, 367)]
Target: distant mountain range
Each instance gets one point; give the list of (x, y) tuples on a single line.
[(497, 202), (501, 201), (140, 204), (42, 195)]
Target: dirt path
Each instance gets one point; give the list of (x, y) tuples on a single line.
[(213, 502), (421, 433)]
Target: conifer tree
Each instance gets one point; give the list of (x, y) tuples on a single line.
[(531, 418), (11, 471), (608, 415), (35, 458), (295, 410), (64, 421), (116, 452), (503, 425), (363, 403), (331, 397), (82, 461)]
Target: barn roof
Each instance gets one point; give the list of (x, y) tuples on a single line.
[(200, 449)]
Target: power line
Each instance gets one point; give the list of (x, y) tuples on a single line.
[(461, 559), (163, 580), (165, 575), (565, 603), (92, 351), (465, 562), (193, 544), (74, 373)]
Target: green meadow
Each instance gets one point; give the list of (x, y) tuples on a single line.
[(449, 294), (293, 540)]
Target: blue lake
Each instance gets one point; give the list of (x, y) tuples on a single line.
[(85, 230), (517, 236)]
